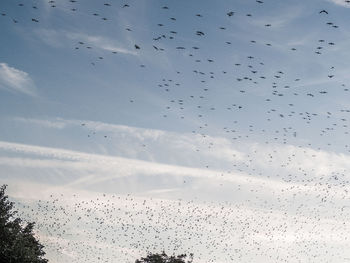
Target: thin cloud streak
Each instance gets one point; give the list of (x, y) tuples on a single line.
[(100, 169), (15, 80), (100, 42), (123, 165), (322, 162), (56, 38), (43, 123)]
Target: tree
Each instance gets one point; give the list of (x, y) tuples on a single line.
[(17, 241), (164, 258)]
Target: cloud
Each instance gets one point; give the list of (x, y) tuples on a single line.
[(340, 2), (100, 42), (124, 165), (127, 142), (15, 80), (131, 137), (51, 37), (43, 123), (57, 38), (105, 168), (99, 172)]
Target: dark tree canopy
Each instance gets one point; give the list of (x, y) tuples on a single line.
[(164, 258), (17, 241)]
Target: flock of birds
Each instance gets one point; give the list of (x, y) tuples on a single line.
[(122, 227), (113, 227)]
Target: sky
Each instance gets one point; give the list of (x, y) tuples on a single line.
[(218, 128)]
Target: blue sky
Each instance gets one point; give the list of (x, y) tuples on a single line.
[(131, 104)]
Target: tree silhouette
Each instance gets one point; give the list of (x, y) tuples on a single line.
[(17, 241), (164, 258)]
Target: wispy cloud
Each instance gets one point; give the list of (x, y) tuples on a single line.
[(16, 80), (83, 171), (56, 39), (57, 124), (219, 158), (100, 42), (340, 2), (108, 167), (131, 137)]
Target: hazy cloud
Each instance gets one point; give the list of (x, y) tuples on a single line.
[(340, 2), (100, 42), (57, 39), (16, 80), (43, 123)]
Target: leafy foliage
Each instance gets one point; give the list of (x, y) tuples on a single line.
[(17, 242), (164, 258)]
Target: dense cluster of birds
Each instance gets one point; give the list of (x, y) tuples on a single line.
[(113, 227), (128, 225)]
